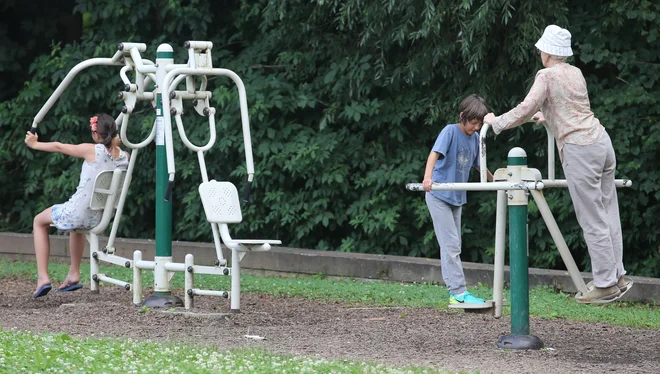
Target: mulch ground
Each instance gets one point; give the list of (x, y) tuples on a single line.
[(400, 336)]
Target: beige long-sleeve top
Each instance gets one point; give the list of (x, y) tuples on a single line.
[(560, 93)]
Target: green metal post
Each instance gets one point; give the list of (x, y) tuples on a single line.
[(163, 208), (519, 270), (162, 296), (518, 259)]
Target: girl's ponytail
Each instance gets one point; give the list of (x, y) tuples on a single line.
[(106, 128)]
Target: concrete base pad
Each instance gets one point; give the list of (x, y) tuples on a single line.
[(154, 301), (520, 342)]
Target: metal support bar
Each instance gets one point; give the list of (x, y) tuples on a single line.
[(106, 279), (175, 266), (491, 186), (561, 183), (145, 265), (189, 281), (500, 233), (558, 238), (235, 282), (117, 260), (137, 278), (198, 292)]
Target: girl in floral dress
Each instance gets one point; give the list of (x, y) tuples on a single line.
[(104, 154)]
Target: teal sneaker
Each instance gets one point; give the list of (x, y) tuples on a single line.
[(466, 298)]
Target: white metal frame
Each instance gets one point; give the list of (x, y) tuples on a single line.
[(199, 64), (106, 191), (546, 214), (222, 206), (509, 183)]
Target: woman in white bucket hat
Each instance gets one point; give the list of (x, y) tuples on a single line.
[(559, 98)]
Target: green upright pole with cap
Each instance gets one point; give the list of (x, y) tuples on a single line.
[(518, 259), (162, 290)]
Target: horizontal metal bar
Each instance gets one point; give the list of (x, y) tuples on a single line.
[(198, 44), (198, 292), (126, 46), (200, 95), (492, 186), (117, 260), (145, 96), (197, 269), (145, 265), (555, 183), (107, 279), (175, 266), (200, 269)]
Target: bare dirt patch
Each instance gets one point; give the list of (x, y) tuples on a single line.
[(401, 336)]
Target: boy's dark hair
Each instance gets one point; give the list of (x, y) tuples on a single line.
[(106, 128), (473, 107)]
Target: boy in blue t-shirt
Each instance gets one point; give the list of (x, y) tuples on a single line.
[(455, 151)]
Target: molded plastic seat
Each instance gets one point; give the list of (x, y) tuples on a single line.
[(222, 206), (107, 185), (104, 188)]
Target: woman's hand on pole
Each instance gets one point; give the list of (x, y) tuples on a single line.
[(538, 118), (489, 118)]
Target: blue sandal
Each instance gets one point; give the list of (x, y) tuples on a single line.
[(65, 287), (43, 291)]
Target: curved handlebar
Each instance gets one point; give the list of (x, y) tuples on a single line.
[(123, 119), (243, 107), (114, 61)]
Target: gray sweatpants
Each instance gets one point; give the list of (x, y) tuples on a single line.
[(589, 171), (447, 225)]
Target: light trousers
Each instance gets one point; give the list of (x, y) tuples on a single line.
[(589, 171), (447, 225)]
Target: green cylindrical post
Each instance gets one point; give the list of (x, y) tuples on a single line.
[(518, 259), (519, 269), (163, 208), (518, 249), (162, 291)]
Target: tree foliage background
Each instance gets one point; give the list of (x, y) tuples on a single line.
[(345, 100)]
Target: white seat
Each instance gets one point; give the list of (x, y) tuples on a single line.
[(220, 200), (222, 206), (107, 186), (104, 187)]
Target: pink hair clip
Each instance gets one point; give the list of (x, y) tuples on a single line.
[(92, 123)]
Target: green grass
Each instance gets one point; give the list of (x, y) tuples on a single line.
[(544, 302), (27, 352), (59, 353)]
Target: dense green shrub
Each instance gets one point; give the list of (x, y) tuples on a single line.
[(346, 99)]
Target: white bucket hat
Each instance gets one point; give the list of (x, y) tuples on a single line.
[(555, 41)]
